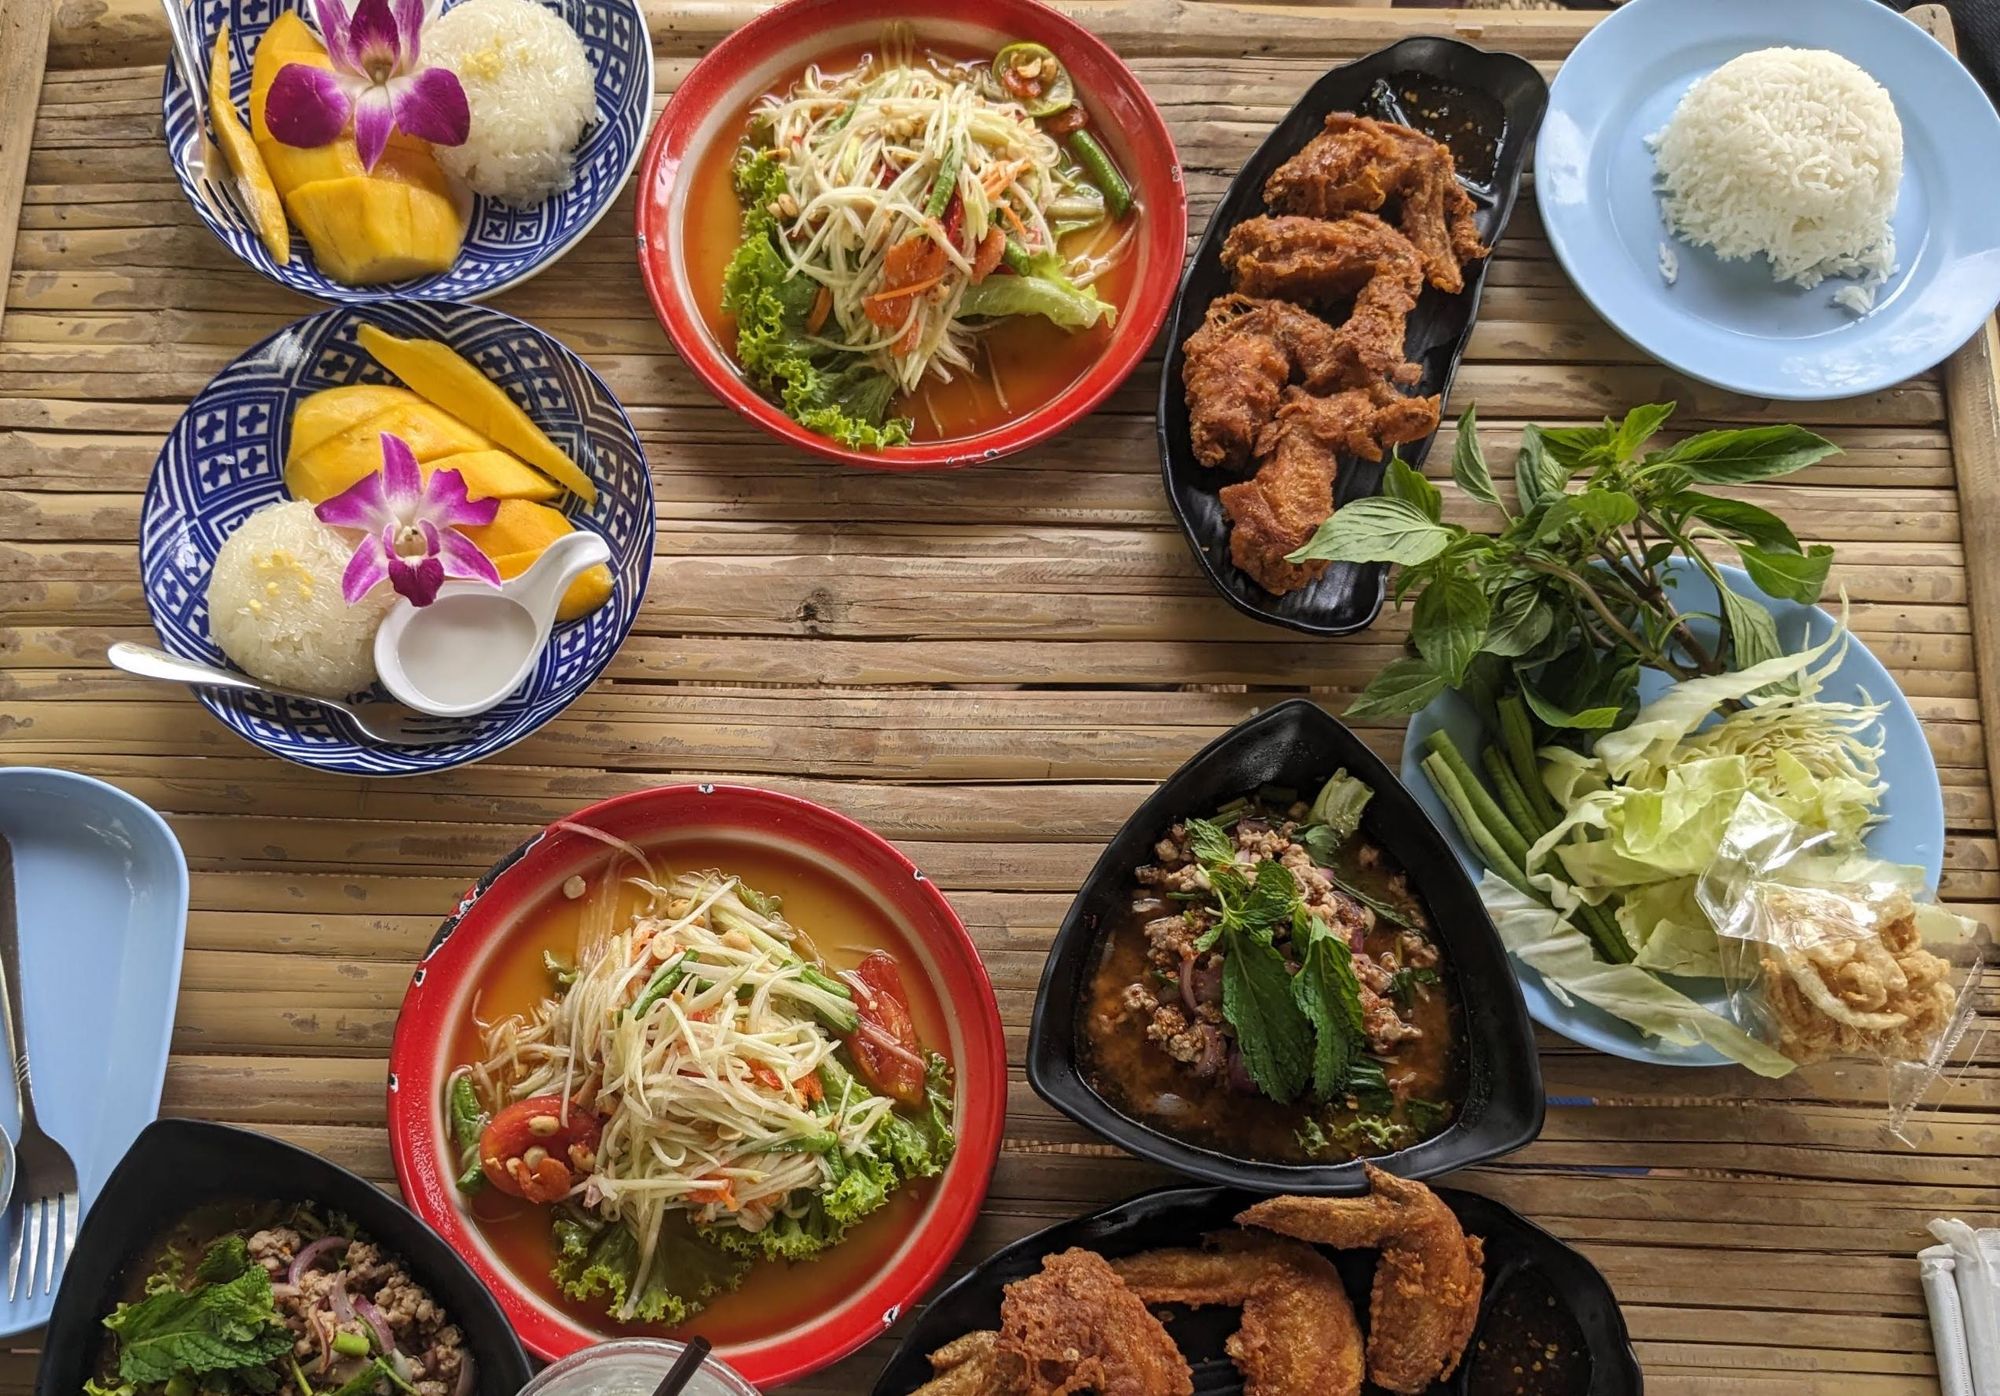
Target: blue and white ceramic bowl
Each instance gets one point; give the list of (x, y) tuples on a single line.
[(1911, 829), (225, 458), (503, 245)]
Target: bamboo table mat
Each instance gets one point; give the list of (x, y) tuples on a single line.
[(991, 668)]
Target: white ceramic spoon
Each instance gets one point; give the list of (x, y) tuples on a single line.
[(474, 645)]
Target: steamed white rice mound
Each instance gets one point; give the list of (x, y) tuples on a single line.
[(275, 608), (1793, 153), (531, 91)]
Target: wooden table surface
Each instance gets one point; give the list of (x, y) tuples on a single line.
[(991, 668)]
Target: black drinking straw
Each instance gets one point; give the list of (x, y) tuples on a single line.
[(684, 1368)]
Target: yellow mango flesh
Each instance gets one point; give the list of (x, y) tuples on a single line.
[(455, 384), (590, 590), (253, 180), (323, 415), (520, 526), (335, 463), (367, 231), (400, 220), (496, 475)]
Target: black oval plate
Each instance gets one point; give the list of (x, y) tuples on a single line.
[(177, 1165), (1347, 596), (1298, 744), (1178, 1216)]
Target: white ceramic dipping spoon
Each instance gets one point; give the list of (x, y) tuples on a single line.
[(474, 645)]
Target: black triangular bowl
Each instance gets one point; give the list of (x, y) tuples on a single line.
[(1180, 1216), (1299, 744), (175, 1166), (1348, 595)]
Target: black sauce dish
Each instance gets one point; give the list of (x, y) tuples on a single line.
[(1348, 596), (1525, 1266), (1298, 744), (176, 1166)]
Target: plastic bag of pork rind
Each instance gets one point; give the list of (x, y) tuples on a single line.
[(1832, 953)]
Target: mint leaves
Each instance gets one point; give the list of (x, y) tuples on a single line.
[(223, 1326), (1274, 1036), (1329, 996), (1568, 592)]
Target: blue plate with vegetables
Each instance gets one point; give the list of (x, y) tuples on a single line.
[(1594, 695)]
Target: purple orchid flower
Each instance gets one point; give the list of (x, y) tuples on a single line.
[(378, 79), (409, 528)]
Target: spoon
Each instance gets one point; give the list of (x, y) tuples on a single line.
[(474, 644)]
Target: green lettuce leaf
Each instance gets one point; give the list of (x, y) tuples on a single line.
[(600, 1260), (1544, 940), (212, 1328), (1046, 291)]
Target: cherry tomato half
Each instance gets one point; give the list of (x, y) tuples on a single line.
[(531, 1151), (887, 1055)]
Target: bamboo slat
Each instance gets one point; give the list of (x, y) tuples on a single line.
[(992, 668)]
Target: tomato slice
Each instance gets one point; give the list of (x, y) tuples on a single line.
[(531, 1151), (887, 1055)]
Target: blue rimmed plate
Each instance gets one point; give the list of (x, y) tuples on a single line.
[(1729, 323), (503, 246), (1911, 829), (101, 896), (225, 458)]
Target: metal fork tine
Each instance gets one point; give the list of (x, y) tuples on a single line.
[(72, 1209), (34, 1215), (14, 1254), (52, 1208)]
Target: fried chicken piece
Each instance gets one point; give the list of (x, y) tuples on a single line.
[(973, 1365), (1427, 1285), (1076, 1327), (1299, 1336), (1359, 164), (1318, 259), (1277, 511), (1238, 364)]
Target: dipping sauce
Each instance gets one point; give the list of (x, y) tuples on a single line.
[(465, 646), (1157, 1044), (1528, 1344)]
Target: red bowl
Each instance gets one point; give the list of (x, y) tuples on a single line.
[(705, 107), (443, 987)]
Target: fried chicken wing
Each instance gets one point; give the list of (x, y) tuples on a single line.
[(1317, 259), (1237, 366), (1358, 164), (973, 1365), (1299, 1336), (1076, 1327), (1427, 1285)]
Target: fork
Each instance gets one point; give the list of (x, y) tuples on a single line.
[(204, 158), (389, 723), (44, 1172)]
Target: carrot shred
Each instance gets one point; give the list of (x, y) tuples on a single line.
[(896, 293), (1007, 212), (822, 307)]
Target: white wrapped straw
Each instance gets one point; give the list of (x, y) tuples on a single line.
[(1961, 1279)]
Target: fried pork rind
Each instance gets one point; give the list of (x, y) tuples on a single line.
[(1830, 953)]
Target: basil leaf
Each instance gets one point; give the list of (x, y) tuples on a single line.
[(1641, 424), (1759, 527), (1273, 1035), (1574, 448), (1753, 635), (1520, 621), (1539, 475), (1403, 481), (1376, 530), (1599, 511), (1790, 576), (1597, 719), (1449, 623), (1403, 686), (1741, 455), (1468, 464)]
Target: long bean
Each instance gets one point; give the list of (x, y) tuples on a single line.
[(1483, 839), (468, 1122), (1103, 173), (1512, 840), (1513, 799), (945, 183), (1517, 737)]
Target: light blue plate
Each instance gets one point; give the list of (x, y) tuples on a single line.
[(504, 246), (1911, 831), (101, 891), (224, 459), (1729, 323)]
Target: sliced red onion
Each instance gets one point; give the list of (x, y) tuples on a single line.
[(307, 1258), (463, 1386), (343, 1307), (372, 1316)]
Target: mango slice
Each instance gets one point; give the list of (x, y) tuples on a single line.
[(496, 475), (323, 415), (590, 590), (367, 231), (454, 383), (253, 181), (520, 526), (335, 463)]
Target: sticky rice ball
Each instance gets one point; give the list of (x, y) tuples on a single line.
[(531, 91), (275, 608)]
